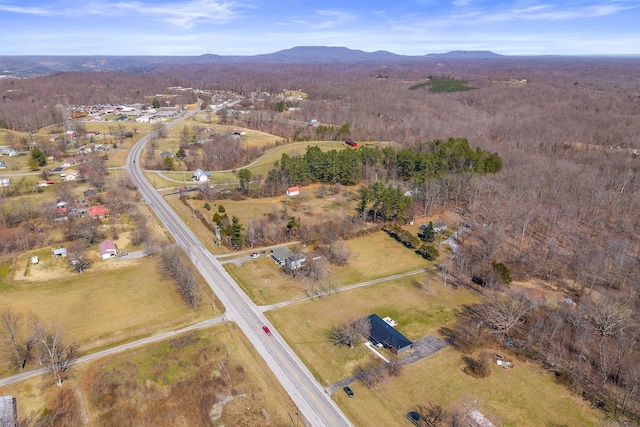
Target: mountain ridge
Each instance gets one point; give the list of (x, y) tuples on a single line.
[(35, 65)]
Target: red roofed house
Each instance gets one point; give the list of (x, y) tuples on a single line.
[(293, 191), (97, 212), (107, 249)]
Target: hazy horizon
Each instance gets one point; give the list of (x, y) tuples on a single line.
[(251, 27)]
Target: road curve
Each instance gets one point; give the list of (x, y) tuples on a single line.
[(312, 402)]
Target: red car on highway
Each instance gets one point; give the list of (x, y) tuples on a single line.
[(266, 330)]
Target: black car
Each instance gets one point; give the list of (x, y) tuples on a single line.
[(348, 390)]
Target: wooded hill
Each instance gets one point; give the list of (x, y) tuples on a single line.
[(561, 214)]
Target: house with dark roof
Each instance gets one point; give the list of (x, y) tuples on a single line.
[(284, 257), (382, 334)]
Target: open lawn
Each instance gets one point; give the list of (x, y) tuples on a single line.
[(279, 287), (417, 312), (210, 373), (520, 397), (125, 299)]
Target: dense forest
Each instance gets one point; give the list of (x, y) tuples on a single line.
[(559, 211)]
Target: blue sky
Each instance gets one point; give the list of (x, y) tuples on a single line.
[(248, 27)]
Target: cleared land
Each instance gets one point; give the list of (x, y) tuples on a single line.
[(417, 312), (512, 397), (520, 397), (211, 373), (102, 306), (262, 280)]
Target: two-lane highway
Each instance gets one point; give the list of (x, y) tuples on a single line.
[(312, 402)]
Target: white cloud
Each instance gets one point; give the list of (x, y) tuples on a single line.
[(330, 18), (185, 14)]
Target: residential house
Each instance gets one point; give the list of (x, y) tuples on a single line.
[(293, 191), (45, 183), (107, 249), (6, 151), (75, 160), (90, 194), (295, 261), (97, 212), (284, 257), (8, 411), (201, 176), (382, 334), (166, 154), (3, 165), (70, 175), (59, 252), (5, 182), (439, 226), (280, 255)]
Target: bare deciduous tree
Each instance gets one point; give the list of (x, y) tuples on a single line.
[(504, 312), (351, 332), (19, 347), (52, 351), (179, 267), (609, 317)]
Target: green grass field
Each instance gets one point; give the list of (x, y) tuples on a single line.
[(442, 85), (523, 396), (417, 312), (103, 307), (278, 287)]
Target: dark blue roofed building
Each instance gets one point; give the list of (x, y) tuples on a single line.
[(387, 336)]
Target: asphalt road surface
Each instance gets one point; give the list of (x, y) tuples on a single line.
[(312, 402)]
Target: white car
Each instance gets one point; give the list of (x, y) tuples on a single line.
[(254, 255)]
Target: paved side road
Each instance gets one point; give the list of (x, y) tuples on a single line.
[(110, 351)]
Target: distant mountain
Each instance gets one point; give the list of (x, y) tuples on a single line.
[(28, 66), (468, 54)]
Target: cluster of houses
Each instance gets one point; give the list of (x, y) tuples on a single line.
[(78, 208)]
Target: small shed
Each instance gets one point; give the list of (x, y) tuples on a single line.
[(107, 249), (60, 252), (385, 335), (293, 191)]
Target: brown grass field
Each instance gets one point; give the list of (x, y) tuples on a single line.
[(112, 302), (279, 287), (174, 382), (524, 396), (417, 312), (511, 397)]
